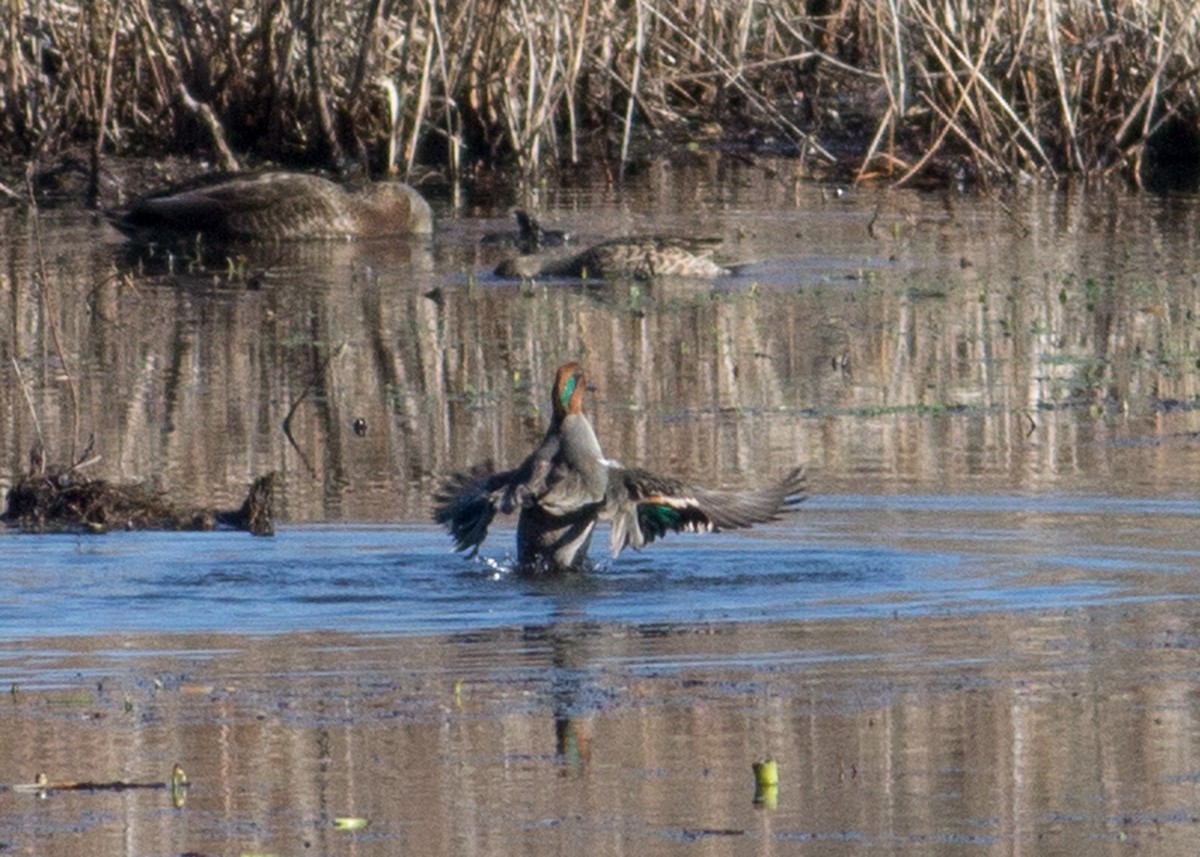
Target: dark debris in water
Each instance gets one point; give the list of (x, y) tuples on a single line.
[(1175, 405), (65, 501), (697, 834)]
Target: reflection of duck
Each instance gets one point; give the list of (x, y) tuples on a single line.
[(530, 236), (276, 207), (566, 485), (637, 258)]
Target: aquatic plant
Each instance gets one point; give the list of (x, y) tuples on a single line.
[(903, 87)]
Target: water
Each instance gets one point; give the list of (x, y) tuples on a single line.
[(842, 557), (979, 634)]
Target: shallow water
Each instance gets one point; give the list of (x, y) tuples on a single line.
[(841, 557), (978, 635)]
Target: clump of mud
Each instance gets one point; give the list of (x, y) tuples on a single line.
[(65, 501)]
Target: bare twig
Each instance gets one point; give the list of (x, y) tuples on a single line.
[(200, 109), (312, 383), (37, 425), (93, 191), (634, 81)]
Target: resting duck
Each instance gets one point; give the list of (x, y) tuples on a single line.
[(632, 258), (566, 485), (277, 207), (530, 236)]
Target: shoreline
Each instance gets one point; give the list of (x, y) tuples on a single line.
[(894, 93)]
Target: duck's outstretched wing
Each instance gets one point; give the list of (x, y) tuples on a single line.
[(643, 507), (467, 502)]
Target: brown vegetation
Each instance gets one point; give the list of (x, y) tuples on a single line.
[(64, 500), (871, 88)]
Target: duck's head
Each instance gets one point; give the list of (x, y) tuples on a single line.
[(392, 208), (569, 386)]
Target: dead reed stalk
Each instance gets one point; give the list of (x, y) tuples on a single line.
[(1043, 87)]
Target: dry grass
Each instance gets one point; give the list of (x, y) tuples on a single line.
[(889, 87)]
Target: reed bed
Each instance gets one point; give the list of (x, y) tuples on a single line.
[(881, 88)]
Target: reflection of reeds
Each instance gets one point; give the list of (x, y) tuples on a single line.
[(919, 374), (1049, 86)]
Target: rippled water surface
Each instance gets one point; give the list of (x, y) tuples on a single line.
[(978, 635), (839, 557)]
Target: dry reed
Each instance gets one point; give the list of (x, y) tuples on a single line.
[(884, 88)]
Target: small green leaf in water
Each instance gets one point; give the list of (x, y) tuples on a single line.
[(766, 772), (351, 822), (766, 783), (179, 786)]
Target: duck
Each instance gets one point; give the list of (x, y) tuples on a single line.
[(629, 258), (530, 236), (276, 206), (566, 485)]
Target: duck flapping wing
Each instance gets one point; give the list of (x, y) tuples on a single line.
[(467, 502), (643, 506)]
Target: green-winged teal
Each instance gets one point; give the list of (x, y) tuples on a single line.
[(277, 207), (618, 258), (566, 485)]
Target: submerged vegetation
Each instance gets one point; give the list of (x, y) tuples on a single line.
[(894, 89)]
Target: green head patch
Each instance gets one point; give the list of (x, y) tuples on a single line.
[(568, 391)]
